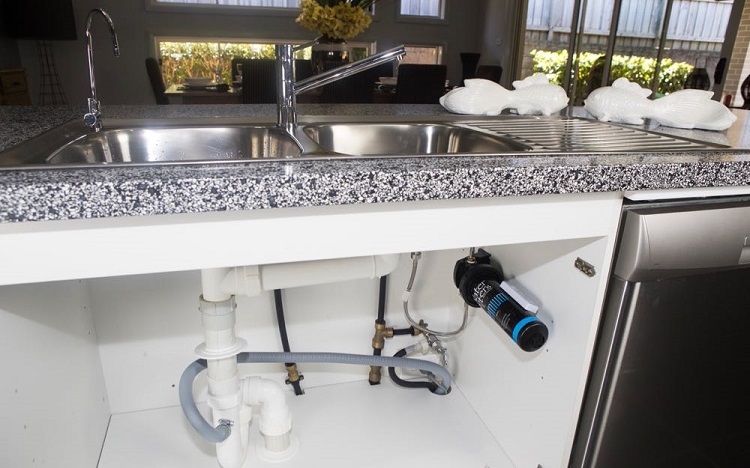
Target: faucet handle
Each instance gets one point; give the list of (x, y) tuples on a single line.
[(91, 118)]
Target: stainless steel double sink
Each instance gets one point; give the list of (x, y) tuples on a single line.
[(128, 142), (132, 142), (175, 144)]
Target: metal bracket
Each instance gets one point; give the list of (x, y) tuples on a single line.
[(585, 267)]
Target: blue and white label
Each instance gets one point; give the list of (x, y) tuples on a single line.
[(519, 326), (494, 305)]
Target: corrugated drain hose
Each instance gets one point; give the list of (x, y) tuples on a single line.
[(221, 432), (187, 401)]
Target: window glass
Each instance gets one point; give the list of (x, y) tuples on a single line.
[(425, 8), (246, 3), (182, 58), (426, 54), (694, 37)]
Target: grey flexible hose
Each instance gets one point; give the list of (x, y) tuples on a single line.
[(187, 401), (222, 431), (443, 377)]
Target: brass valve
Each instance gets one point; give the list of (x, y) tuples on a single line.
[(378, 343), (381, 333), (293, 374)]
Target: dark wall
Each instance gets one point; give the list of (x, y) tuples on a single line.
[(9, 57), (124, 81)]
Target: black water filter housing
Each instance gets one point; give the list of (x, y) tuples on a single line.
[(479, 283)]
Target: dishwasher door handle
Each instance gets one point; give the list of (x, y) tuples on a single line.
[(745, 255), (687, 240)]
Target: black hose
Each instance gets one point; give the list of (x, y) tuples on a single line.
[(280, 319), (374, 377), (431, 386), (381, 299), (382, 288), (404, 331), (285, 339)]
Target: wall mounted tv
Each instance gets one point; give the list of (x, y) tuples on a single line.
[(39, 19)]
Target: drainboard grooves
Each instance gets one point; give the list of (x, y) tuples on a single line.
[(576, 135)]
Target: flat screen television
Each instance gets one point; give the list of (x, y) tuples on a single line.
[(39, 19)]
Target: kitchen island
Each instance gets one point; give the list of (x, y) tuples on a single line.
[(137, 191), (101, 268)]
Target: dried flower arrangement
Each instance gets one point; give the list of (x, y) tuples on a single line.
[(336, 19)]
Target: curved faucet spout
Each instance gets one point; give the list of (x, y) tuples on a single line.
[(349, 69), (92, 118), (307, 44), (287, 89)]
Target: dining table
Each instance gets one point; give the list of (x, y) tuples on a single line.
[(182, 94)]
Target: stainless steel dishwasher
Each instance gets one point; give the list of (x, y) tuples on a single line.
[(669, 382)]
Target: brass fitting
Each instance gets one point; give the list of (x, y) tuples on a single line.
[(381, 333), (378, 342), (294, 375), (375, 375)]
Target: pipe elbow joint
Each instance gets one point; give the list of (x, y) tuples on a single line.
[(275, 415)]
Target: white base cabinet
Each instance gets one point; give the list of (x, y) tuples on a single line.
[(101, 319)]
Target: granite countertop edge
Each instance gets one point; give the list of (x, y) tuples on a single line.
[(66, 194)]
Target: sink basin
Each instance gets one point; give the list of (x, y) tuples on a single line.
[(173, 144), (220, 140), (371, 139)]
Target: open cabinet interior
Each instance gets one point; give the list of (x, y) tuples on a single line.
[(117, 346), (92, 378)]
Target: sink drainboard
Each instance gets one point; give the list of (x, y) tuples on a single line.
[(576, 135)]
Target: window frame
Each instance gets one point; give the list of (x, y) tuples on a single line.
[(441, 19), (371, 46), (290, 12), (155, 39), (156, 6), (439, 47)]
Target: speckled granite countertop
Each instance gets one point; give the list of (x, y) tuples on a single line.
[(65, 193)]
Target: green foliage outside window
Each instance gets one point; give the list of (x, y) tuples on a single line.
[(180, 60), (637, 69)]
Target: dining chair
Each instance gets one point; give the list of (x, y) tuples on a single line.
[(157, 81), (698, 79), (384, 69), (745, 92), (354, 89), (489, 72), (420, 84), (258, 81), (469, 61), (303, 69), (235, 69)]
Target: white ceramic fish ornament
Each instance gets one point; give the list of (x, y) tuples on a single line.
[(533, 95), (627, 102)]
